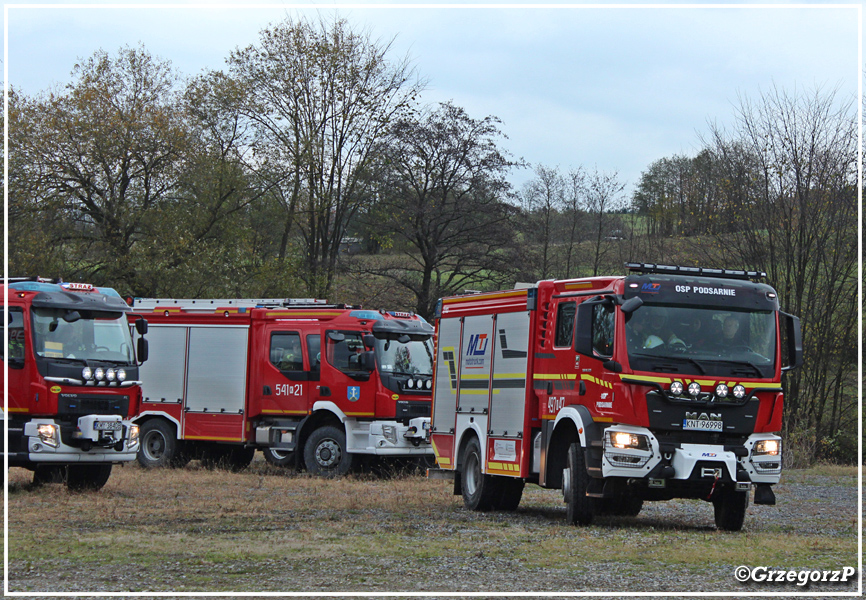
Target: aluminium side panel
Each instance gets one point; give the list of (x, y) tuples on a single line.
[(216, 380), (508, 394), (446, 389), (162, 375), (476, 361)]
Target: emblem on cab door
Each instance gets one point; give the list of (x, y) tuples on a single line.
[(353, 393)]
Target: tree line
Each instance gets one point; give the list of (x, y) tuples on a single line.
[(310, 166)]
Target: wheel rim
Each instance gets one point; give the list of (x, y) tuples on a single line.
[(328, 454), (279, 454), (153, 445)]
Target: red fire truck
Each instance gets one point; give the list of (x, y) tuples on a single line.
[(665, 383), (72, 380), (309, 384)]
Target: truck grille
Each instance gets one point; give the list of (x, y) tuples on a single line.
[(78, 405)]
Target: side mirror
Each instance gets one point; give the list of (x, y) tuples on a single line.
[(631, 305), (369, 342), (72, 316), (142, 350), (141, 326), (336, 336), (583, 329), (368, 361), (790, 326)]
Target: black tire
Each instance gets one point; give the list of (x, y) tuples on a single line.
[(621, 506), (87, 478), (729, 509), (279, 458), (325, 453), (159, 446), (480, 491), (510, 493), (579, 507), (49, 474)]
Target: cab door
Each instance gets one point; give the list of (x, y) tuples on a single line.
[(345, 380), (19, 366), (286, 375)]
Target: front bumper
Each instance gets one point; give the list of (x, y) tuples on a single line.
[(96, 439), (691, 461), (390, 438)]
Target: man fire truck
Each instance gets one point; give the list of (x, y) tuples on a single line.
[(310, 384), (662, 384), (72, 380)]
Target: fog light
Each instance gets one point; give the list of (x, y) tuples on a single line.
[(694, 389), (410, 383), (110, 374), (99, 374), (677, 388), (87, 373), (121, 375), (739, 392), (721, 391)]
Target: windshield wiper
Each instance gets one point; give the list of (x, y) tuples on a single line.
[(740, 363), (670, 362)]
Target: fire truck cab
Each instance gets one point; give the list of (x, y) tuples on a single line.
[(308, 383), (73, 383), (662, 384)]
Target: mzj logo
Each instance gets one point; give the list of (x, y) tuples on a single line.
[(477, 348)]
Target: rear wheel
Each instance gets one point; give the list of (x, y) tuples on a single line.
[(326, 453), (83, 478), (729, 509), (480, 491), (575, 480), (510, 493)]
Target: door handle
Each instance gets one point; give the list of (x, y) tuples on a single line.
[(324, 391), (266, 391)]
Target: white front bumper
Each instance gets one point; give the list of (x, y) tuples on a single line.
[(40, 451)]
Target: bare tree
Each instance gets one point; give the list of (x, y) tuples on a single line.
[(323, 97), (604, 195)]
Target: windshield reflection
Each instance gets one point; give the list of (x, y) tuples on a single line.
[(713, 341), (94, 336), (411, 358)]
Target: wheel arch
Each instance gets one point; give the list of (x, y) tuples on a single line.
[(572, 424)]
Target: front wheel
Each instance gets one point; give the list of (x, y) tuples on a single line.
[(729, 509), (84, 478), (326, 453), (579, 507), (279, 458), (159, 446)]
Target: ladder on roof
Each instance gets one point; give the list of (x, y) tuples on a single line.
[(211, 304)]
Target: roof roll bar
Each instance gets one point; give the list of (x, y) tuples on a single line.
[(646, 268)]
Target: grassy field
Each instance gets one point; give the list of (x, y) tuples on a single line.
[(195, 530)]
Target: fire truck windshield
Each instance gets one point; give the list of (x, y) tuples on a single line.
[(411, 358), (709, 341), (85, 335)]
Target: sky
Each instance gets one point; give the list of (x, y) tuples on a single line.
[(604, 87)]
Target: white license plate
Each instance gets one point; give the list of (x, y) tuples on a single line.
[(107, 425), (702, 425)]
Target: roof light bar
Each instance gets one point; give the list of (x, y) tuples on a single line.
[(645, 268)]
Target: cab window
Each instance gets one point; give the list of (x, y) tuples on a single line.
[(15, 353), (286, 352), (344, 351), (564, 325), (314, 351), (602, 330)]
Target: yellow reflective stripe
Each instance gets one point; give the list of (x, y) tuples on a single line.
[(554, 376), (210, 437), (628, 378), (476, 392), (597, 381), (503, 466), (509, 376), (475, 297), (286, 412)]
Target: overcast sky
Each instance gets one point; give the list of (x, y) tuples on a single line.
[(613, 88)]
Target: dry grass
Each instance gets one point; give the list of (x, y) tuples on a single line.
[(263, 530)]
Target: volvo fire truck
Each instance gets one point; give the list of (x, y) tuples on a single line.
[(665, 383), (312, 385), (73, 382)]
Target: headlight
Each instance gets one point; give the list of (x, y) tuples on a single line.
[(767, 448), (721, 391), (624, 439), (739, 392), (99, 374), (48, 434), (677, 388), (121, 375), (694, 389), (133, 435), (389, 432)]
